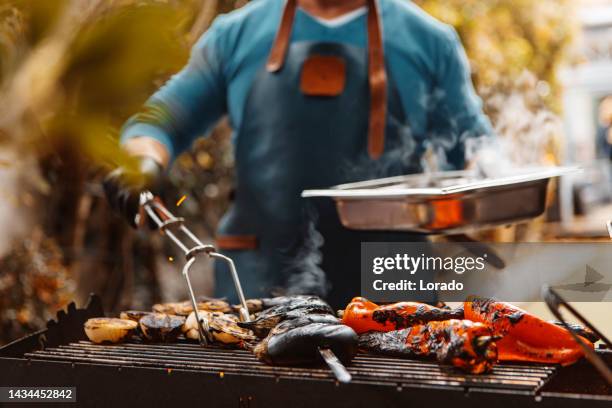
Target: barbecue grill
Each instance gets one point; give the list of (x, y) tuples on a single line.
[(174, 374)]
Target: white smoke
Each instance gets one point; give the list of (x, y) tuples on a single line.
[(528, 133), (305, 275)]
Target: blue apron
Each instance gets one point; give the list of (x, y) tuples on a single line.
[(288, 142)]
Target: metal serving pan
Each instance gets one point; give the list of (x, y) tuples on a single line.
[(445, 202)]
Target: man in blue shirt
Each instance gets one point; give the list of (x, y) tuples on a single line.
[(319, 93)]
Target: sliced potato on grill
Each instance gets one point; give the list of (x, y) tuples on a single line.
[(161, 327), (109, 330)]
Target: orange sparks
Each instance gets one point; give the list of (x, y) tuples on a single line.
[(221, 374), (171, 259), (180, 201)]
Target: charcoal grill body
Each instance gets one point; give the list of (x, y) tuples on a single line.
[(142, 374)]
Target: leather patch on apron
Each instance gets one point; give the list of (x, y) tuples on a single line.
[(236, 242), (323, 75)]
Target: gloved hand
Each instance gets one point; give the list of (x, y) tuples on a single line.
[(123, 187)]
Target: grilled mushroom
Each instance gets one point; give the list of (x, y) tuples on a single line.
[(161, 327), (223, 327), (109, 330), (134, 315), (185, 308)]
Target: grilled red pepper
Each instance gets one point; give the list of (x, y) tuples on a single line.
[(524, 337), (363, 315), (465, 344)]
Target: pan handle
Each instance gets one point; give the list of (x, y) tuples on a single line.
[(477, 247)]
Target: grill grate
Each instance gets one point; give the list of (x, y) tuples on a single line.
[(365, 369)]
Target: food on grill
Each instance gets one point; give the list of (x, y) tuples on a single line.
[(512, 349), (257, 305), (134, 315), (109, 330), (465, 344), (175, 308), (525, 337), (322, 318), (161, 327), (185, 308), (297, 341), (223, 327), (441, 305), (297, 307), (579, 330), (506, 319), (363, 315)]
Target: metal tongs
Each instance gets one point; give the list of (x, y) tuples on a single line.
[(554, 302), (170, 225)]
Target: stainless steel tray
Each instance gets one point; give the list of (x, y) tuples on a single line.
[(447, 202)]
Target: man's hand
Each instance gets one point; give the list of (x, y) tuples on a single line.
[(123, 187)]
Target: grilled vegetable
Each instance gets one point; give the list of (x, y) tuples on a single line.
[(363, 315), (303, 321), (161, 327), (579, 330), (297, 341), (512, 349), (297, 307), (525, 337), (257, 305), (134, 315), (109, 330), (462, 343), (185, 308), (223, 328)]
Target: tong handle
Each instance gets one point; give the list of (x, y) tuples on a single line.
[(554, 302)]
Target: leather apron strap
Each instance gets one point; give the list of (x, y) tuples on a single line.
[(377, 76), (236, 242), (276, 59)]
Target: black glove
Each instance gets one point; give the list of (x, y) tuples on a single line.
[(123, 187)]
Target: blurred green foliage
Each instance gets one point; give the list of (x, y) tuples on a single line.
[(71, 73), (503, 38)]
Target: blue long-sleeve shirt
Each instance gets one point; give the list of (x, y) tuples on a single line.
[(423, 56)]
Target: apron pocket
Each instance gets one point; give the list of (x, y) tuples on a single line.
[(323, 75)]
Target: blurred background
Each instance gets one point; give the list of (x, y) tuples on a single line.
[(72, 72)]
